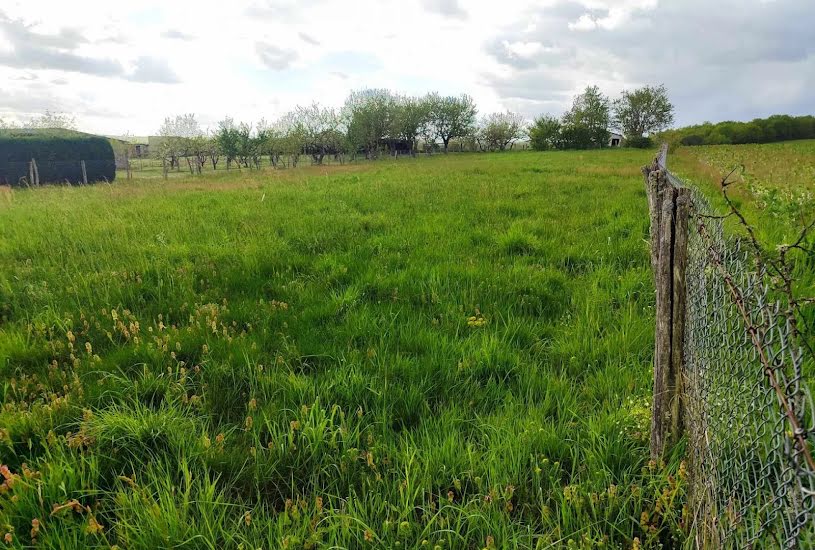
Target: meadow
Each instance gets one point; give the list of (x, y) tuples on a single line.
[(444, 352), (774, 182), (774, 188)]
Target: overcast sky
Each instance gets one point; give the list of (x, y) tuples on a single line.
[(123, 66)]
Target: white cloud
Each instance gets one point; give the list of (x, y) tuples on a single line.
[(523, 49), (125, 66), (274, 57), (584, 23)]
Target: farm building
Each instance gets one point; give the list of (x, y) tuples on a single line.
[(136, 147), (52, 155), (615, 139), (141, 150)]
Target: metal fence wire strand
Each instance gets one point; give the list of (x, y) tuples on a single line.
[(748, 409)]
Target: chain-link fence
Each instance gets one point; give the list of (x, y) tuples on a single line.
[(740, 395)]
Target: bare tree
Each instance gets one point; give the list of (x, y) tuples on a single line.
[(176, 139), (52, 119), (213, 150)]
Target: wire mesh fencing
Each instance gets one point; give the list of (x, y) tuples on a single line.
[(739, 392)]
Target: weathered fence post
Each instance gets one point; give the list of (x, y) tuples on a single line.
[(660, 413), (36, 172), (84, 172), (679, 309), (31, 172), (669, 210)]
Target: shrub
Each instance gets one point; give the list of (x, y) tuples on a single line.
[(639, 142), (760, 130), (693, 139), (58, 154)]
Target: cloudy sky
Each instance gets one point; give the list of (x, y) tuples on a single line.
[(123, 66)]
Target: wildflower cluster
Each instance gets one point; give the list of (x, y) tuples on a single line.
[(477, 320)]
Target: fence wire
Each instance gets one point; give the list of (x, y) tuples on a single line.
[(748, 409)]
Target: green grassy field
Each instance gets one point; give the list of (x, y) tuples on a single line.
[(774, 187), (774, 182), (446, 352)]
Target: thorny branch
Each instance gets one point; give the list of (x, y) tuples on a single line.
[(781, 266)]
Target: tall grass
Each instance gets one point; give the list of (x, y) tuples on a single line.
[(450, 352)]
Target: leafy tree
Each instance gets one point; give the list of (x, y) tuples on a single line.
[(643, 111), (245, 144), (323, 131), (369, 117), (639, 142), (292, 137), (452, 116), (227, 139), (427, 131), (576, 136), (586, 123), (544, 134), (747, 133), (410, 116), (500, 130)]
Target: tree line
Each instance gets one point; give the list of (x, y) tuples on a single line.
[(759, 130), (371, 122), (374, 122), (635, 114), (48, 120)]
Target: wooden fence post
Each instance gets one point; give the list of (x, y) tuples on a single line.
[(669, 210), (84, 172), (31, 172), (660, 413), (680, 267), (36, 171)]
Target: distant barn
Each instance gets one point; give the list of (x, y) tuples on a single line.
[(54, 155), (141, 150)]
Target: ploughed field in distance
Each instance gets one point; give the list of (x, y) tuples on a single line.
[(443, 352)]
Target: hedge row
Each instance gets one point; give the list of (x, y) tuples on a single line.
[(760, 130), (58, 154)]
